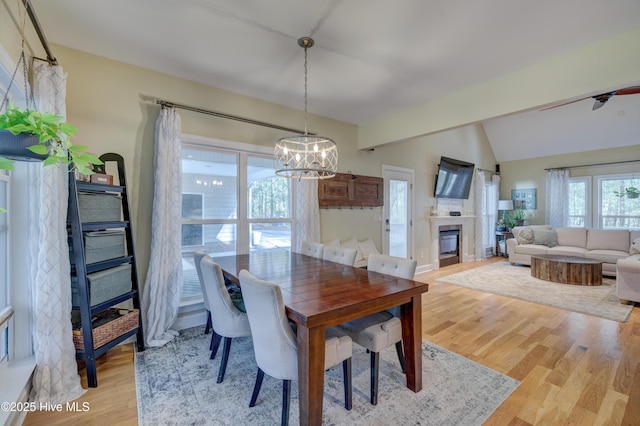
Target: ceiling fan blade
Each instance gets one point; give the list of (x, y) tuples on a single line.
[(566, 103), (598, 104), (633, 90)]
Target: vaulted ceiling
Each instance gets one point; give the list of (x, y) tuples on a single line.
[(376, 59)]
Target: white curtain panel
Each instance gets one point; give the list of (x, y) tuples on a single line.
[(55, 379), (493, 195), (557, 208), (163, 286), (480, 194), (307, 222)]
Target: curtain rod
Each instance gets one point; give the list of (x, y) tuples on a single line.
[(591, 165), (488, 171), (43, 39), (170, 104)]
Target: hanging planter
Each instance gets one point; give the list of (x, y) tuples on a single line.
[(16, 147), (629, 192)]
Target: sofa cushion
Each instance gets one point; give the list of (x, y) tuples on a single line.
[(608, 239), (545, 237), (525, 235), (567, 251), (635, 246), (575, 237), (531, 249), (606, 256)]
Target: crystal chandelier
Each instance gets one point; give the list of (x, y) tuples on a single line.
[(306, 156)]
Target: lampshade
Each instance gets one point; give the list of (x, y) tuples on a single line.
[(505, 204), (306, 156)]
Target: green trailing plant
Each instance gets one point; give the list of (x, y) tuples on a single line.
[(54, 138), (630, 192)]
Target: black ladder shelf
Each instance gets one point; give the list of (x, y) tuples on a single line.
[(80, 269)]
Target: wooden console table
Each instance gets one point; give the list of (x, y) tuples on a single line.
[(566, 269)]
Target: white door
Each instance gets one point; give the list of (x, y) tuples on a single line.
[(397, 220)]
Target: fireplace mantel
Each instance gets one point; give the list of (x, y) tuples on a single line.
[(467, 223)]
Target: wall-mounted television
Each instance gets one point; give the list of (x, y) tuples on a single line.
[(454, 179)]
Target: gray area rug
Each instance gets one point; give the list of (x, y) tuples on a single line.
[(515, 281), (176, 385)]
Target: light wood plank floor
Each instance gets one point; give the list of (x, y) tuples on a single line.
[(574, 368)]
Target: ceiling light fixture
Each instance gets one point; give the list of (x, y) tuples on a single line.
[(306, 156)]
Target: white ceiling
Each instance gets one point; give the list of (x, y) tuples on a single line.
[(372, 58)]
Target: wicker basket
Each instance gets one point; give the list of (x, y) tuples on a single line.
[(116, 323)]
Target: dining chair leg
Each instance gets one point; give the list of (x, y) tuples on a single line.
[(400, 356), (256, 388), (286, 401), (375, 361), (348, 388), (225, 359), (215, 343), (208, 327)]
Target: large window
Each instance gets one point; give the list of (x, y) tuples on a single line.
[(232, 202), (615, 210)]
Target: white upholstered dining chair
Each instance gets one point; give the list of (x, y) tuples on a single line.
[(228, 321), (275, 345), (312, 249), (343, 255), (378, 331)]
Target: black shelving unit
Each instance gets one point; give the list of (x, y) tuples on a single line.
[(80, 269)]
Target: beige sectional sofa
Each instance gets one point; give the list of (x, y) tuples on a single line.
[(606, 245)]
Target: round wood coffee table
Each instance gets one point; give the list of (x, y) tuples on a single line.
[(566, 269)]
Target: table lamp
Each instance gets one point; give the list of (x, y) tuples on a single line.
[(505, 205)]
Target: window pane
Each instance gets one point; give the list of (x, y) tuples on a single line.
[(265, 236), (616, 210), (268, 195), (577, 203), (218, 240), (212, 176)]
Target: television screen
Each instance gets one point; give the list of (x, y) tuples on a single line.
[(453, 179)]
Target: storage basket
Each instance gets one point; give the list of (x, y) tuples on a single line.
[(103, 245), (107, 326), (99, 207), (104, 285)]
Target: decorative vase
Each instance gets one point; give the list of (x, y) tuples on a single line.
[(14, 147), (632, 195)]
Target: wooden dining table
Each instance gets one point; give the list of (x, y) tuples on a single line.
[(320, 294)]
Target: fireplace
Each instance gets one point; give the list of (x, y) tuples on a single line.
[(449, 244)]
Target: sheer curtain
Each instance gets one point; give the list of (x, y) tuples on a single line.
[(307, 218), (493, 194), (481, 207), (557, 208), (163, 286), (55, 379)]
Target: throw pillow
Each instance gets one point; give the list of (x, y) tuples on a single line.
[(545, 237), (353, 243), (333, 243), (525, 236), (635, 246), (367, 247)]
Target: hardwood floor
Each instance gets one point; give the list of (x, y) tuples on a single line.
[(574, 368)]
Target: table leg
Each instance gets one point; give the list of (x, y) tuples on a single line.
[(310, 374), (411, 317)]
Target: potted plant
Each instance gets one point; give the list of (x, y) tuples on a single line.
[(518, 217), (629, 192), (27, 135), (500, 225)]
